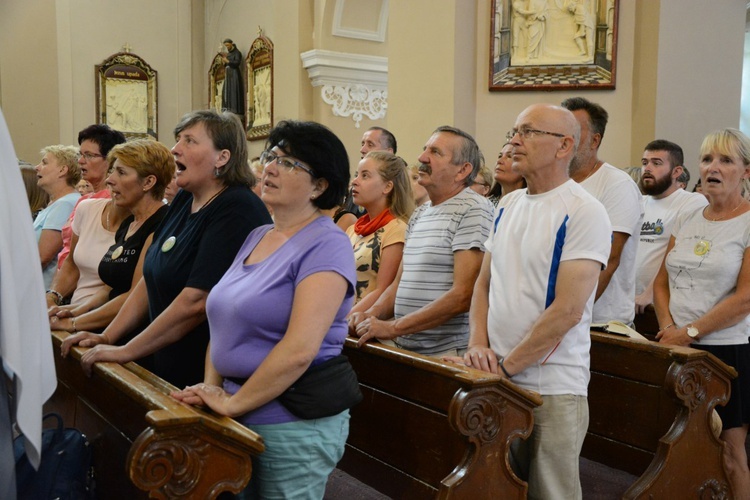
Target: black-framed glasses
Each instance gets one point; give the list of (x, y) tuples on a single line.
[(267, 157), (526, 132), (88, 156)]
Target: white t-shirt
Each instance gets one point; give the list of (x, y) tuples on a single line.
[(703, 268), (531, 236), (433, 236), (658, 218), (622, 199), (93, 242)]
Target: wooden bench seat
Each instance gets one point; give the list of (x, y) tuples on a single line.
[(429, 429), (650, 415), (145, 441)]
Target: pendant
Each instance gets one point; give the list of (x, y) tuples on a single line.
[(167, 246), (702, 248), (117, 253)]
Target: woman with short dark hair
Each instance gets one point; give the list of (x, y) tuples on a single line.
[(300, 273), (192, 248)]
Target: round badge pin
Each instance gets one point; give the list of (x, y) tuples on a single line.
[(117, 253), (169, 244), (702, 248)]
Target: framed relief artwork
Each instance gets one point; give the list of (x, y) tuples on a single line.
[(216, 83), (259, 64), (553, 44), (126, 95)]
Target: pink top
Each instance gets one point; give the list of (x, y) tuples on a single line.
[(93, 242), (67, 230)]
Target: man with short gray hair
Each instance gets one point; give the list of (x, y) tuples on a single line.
[(426, 307)]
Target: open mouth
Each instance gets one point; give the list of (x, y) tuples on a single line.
[(180, 167), (712, 180)]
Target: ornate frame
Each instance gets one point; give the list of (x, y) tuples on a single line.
[(126, 95), (583, 55), (216, 75), (259, 99)]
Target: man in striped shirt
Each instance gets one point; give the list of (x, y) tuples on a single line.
[(425, 309)]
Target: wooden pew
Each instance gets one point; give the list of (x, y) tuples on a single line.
[(145, 441), (429, 429), (650, 415)]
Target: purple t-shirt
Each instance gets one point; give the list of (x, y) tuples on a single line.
[(249, 309)]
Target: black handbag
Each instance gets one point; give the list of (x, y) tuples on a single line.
[(65, 470), (323, 390)]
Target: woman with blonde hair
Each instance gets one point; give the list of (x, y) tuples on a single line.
[(702, 290), (57, 174), (382, 187)]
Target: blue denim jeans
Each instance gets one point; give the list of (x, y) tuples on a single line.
[(298, 459)]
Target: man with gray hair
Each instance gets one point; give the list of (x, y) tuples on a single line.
[(426, 307), (378, 139)]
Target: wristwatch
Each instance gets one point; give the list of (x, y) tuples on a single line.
[(692, 332)]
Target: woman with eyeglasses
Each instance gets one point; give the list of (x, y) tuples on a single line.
[(56, 175), (94, 142), (192, 248), (300, 273)]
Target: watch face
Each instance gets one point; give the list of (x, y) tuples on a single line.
[(692, 332)]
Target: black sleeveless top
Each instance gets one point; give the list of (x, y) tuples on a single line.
[(118, 272)]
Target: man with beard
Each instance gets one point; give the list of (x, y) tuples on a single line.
[(615, 292), (662, 165), (425, 309)]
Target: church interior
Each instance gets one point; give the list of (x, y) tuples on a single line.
[(408, 66)]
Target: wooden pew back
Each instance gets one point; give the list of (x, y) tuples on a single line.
[(650, 414), (145, 441), (427, 428)]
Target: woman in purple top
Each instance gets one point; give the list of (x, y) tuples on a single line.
[(281, 308)]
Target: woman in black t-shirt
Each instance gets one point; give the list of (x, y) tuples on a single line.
[(202, 232), (139, 172)]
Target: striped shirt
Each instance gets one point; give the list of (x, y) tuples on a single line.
[(433, 236)]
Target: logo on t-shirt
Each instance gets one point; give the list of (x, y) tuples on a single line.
[(655, 228)]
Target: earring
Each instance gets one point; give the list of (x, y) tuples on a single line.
[(217, 172), (312, 196)]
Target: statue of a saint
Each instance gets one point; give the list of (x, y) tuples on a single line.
[(232, 95)]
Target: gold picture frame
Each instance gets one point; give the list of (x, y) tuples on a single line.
[(259, 101), (553, 44), (126, 95)]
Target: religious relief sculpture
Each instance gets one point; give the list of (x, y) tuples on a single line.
[(543, 44), (126, 94), (259, 64), (552, 31), (216, 76), (233, 94)]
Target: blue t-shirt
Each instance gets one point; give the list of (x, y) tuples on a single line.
[(249, 309), (54, 217)]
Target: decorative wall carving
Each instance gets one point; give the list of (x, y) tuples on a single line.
[(355, 101), (354, 85)]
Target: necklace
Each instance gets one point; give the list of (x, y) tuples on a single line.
[(705, 212), (212, 198), (109, 209), (591, 172)]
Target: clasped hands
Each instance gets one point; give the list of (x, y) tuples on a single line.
[(368, 327), (101, 350)]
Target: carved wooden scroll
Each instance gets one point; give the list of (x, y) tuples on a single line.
[(431, 429), (145, 441), (650, 414)]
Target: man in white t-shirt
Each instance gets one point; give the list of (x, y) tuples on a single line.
[(531, 309), (426, 308), (615, 293), (662, 165)]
